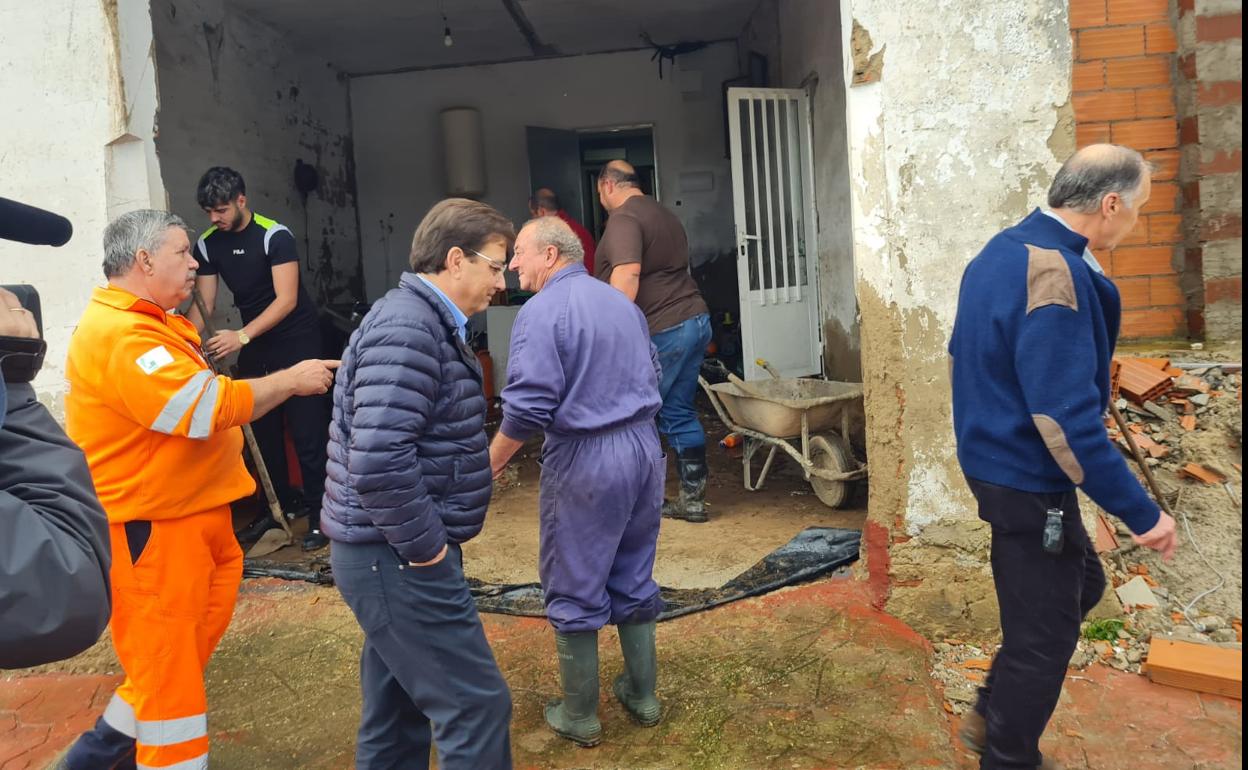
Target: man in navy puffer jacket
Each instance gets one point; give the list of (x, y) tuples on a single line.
[(408, 482)]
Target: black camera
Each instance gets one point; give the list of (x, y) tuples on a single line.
[(21, 357)]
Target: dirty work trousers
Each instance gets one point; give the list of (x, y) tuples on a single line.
[(174, 586), (681, 350), (599, 502), (307, 417), (1044, 598), (425, 660)]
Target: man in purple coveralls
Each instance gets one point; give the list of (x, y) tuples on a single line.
[(582, 369)]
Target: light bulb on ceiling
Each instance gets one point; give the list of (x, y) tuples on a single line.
[(447, 40)]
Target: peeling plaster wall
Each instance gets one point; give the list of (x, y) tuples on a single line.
[(399, 144), (233, 92), (958, 118), (79, 110)]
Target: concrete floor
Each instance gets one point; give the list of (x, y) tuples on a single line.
[(811, 678)]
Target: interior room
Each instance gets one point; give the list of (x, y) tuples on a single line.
[(732, 110)]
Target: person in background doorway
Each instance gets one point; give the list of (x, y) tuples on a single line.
[(1030, 354), (582, 370), (161, 436), (544, 203), (258, 260), (645, 254), (409, 481)]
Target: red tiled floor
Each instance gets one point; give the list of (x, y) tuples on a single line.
[(41, 715), (812, 678)]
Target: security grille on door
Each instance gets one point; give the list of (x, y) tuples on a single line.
[(773, 201)]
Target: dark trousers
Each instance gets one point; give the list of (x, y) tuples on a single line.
[(1044, 598), (599, 504), (306, 416), (425, 660)]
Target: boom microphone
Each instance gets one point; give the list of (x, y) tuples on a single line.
[(27, 224)]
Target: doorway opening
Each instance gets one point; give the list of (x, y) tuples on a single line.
[(632, 144), (569, 161)]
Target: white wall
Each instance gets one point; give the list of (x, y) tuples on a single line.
[(76, 85), (399, 153), (234, 92)]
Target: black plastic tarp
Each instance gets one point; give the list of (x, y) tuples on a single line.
[(812, 553)]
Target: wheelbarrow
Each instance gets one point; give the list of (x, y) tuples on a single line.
[(775, 413)]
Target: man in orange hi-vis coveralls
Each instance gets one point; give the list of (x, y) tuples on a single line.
[(161, 435)]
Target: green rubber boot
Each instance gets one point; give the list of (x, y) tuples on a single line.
[(635, 687), (576, 716)]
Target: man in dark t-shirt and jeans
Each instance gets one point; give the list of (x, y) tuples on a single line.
[(644, 253), (258, 260)]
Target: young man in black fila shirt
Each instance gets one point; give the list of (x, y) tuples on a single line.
[(258, 260)]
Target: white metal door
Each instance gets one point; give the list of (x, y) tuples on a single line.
[(774, 205)]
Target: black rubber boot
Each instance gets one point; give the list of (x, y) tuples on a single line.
[(314, 539), (252, 532), (576, 716), (635, 687), (691, 466)]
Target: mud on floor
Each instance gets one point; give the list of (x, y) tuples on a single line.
[(744, 527)]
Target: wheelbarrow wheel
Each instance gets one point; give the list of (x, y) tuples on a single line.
[(829, 453)]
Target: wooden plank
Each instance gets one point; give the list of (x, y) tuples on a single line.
[(1199, 667)]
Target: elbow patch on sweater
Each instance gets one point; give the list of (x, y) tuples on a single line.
[(1049, 281), (1055, 439)]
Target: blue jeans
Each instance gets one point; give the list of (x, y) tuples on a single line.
[(681, 349)]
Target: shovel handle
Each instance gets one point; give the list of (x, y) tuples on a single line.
[(253, 447)]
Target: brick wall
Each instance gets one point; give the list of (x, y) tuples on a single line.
[(1209, 89), (1124, 92)]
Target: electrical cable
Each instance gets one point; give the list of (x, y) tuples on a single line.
[(1187, 527)]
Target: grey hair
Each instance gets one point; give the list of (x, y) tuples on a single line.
[(142, 230), (553, 231), (1089, 175)]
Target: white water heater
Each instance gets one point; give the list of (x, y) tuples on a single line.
[(464, 152)]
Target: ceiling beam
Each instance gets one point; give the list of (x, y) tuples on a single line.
[(511, 60), (526, 30)]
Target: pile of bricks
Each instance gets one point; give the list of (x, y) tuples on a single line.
[(1154, 396)]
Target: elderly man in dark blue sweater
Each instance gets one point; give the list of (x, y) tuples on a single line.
[(1035, 330), (408, 482), (582, 370)]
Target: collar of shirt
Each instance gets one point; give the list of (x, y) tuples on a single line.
[(575, 268), (1088, 256), (461, 320)]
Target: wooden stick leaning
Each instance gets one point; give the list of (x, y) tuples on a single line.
[(1139, 458), (262, 470)]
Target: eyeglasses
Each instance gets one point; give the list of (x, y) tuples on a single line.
[(494, 264)]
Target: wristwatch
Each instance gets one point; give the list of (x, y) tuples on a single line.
[(243, 339)]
